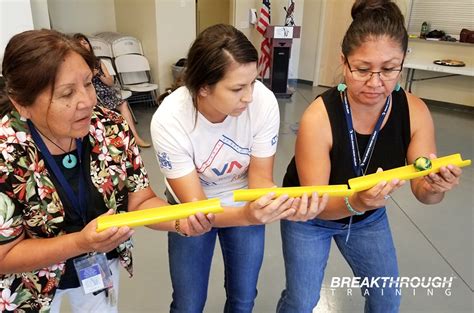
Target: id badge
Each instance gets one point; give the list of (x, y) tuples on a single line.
[(93, 272)]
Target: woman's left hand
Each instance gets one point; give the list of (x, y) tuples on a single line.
[(307, 208), (198, 224), (445, 180)]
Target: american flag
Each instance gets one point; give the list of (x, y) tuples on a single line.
[(263, 22)]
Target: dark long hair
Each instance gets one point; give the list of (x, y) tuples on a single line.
[(80, 36), (374, 18)]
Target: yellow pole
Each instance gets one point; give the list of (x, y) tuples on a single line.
[(254, 194), (158, 215), (405, 172)]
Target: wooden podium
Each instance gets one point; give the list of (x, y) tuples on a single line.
[(281, 39)]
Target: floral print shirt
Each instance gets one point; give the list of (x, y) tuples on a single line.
[(30, 205)]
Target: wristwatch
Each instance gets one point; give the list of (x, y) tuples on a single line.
[(178, 229)]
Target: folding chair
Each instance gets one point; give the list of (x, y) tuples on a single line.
[(134, 75), (101, 47), (121, 44), (122, 94), (126, 45)]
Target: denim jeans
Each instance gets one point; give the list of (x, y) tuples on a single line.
[(190, 263), (369, 252)]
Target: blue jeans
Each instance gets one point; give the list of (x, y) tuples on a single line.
[(369, 251), (190, 264)]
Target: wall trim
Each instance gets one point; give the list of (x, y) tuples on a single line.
[(449, 106), (295, 81)]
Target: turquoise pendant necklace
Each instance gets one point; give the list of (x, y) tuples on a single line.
[(69, 160)]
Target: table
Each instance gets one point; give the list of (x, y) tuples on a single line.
[(413, 63)]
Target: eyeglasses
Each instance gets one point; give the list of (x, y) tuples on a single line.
[(364, 75)]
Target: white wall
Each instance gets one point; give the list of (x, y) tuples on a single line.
[(39, 10), (176, 30), (15, 17), (85, 16), (242, 20)]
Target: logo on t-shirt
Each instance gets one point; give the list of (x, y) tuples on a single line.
[(228, 167), (274, 140), (224, 141), (164, 161)]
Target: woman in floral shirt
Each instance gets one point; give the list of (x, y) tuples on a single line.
[(54, 124)]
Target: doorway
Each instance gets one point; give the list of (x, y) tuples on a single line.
[(211, 12)]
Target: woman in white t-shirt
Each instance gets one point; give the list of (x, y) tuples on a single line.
[(216, 134)]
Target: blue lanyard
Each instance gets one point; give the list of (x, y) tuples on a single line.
[(78, 203), (360, 165)]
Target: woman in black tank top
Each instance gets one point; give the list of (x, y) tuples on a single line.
[(365, 125)]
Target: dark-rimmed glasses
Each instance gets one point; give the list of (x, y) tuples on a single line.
[(364, 75)]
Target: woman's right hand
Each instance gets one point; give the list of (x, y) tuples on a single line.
[(89, 240), (267, 209), (377, 196)]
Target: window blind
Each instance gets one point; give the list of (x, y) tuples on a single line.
[(449, 16)]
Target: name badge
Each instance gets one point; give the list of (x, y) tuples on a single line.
[(93, 273)]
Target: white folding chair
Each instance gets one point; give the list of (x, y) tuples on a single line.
[(126, 45), (121, 44), (121, 93), (107, 35), (100, 47), (134, 75)]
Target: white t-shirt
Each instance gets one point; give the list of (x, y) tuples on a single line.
[(219, 152)]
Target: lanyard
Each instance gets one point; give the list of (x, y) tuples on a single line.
[(78, 203), (360, 166)]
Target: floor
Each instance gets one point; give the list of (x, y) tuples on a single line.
[(429, 239)]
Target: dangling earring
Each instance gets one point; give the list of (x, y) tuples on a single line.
[(397, 87), (341, 87)]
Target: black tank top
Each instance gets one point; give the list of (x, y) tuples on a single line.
[(390, 149)]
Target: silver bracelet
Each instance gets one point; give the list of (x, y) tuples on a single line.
[(350, 208)]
